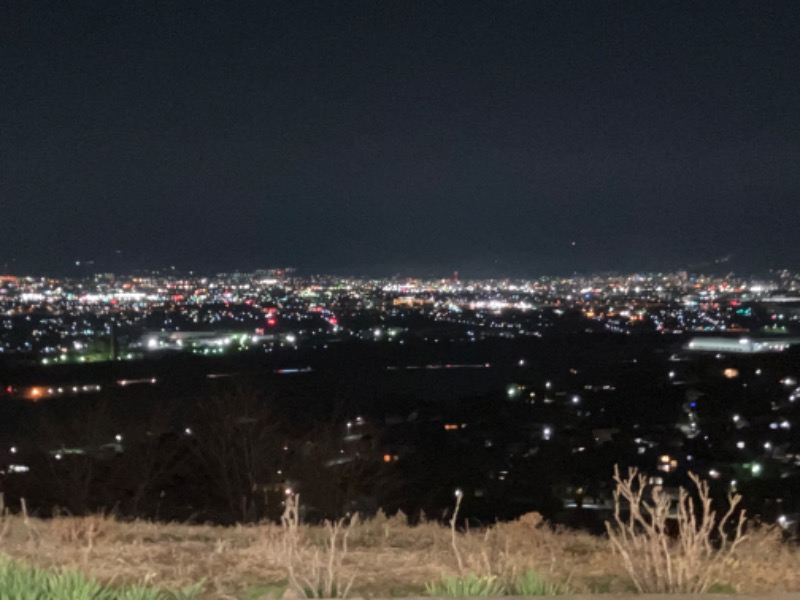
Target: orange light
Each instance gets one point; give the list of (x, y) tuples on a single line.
[(387, 458)]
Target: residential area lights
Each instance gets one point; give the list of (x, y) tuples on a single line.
[(121, 317)]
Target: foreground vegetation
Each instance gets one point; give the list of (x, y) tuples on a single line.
[(21, 582), (659, 545)]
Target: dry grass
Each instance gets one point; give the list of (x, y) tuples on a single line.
[(384, 556), (313, 572)]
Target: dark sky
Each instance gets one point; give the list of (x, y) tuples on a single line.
[(387, 136)]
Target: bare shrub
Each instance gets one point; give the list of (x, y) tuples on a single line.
[(454, 535), (657, 562), (381, 531), (31, 530), (313, 573), (5, 520), (79, 530)]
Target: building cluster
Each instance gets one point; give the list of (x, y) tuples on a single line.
[(119, 317)]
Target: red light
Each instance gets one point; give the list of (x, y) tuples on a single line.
[(272, 321), (333, 320)]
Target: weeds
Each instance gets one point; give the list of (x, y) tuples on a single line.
[(21, 582), (533, 583), (315, 574), (81, 532), (659, 563), (5, 520), (138, 592), (18, 582), (454, 535), (468, 586), (530, 583)]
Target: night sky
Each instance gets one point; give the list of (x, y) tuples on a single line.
[(494, 138)]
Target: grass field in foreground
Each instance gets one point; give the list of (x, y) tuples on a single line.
[(377, 557)]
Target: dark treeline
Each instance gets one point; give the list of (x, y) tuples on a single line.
[(230, 456)]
